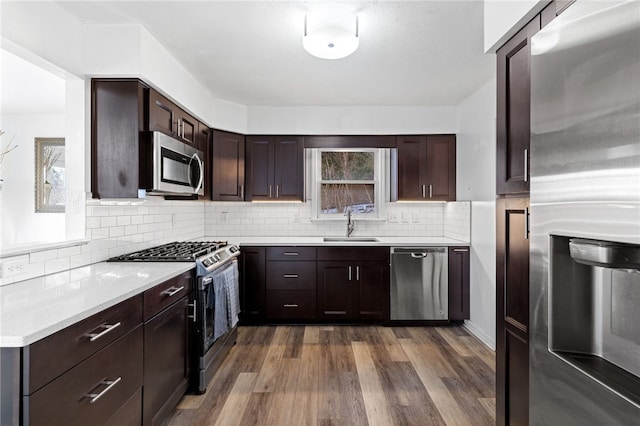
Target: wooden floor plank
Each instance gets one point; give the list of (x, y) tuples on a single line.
[(438, 357), (454, 341), (438, 391), (375, 401), (237, 401), (490, 405), (481, 351), (392, 345), (467, 402), (268, 372), (329, 375)]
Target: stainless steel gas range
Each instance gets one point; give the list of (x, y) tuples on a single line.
[(216, 304)]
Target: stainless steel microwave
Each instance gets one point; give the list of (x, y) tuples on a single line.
[(177, 168)]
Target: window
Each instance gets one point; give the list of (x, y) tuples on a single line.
[(348, 179)]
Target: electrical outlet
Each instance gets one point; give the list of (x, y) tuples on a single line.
[(405, 217), (174, 219), (393, 217), (13, 267), (224, 217), (415, 217), (296, 218)]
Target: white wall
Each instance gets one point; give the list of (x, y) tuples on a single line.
[(131, 51), (20, 224), (476, 165), (503, 18), (350, 120)]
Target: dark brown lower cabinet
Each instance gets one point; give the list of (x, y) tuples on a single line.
[(353, 283), (92, 391), (166, 361), (458, 261), (512, 311), (252, 284)]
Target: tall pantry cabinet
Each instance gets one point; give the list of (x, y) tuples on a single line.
[(512, 219)]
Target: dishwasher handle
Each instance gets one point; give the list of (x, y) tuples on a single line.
[(419, 255)]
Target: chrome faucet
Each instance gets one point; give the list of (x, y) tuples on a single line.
[(351, 225)]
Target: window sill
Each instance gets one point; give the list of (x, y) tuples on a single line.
[(344, 219)]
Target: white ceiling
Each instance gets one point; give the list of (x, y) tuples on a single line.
[(412, 53)]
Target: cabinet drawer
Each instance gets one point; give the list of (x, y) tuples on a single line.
[(291, 275), (65, 401), (291, 304), (167, 293), (354, 253), (291, 253), (73, 344)]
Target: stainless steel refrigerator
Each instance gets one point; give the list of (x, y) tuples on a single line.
[(585, 217)]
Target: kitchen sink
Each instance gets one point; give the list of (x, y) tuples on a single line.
[(351, 240)]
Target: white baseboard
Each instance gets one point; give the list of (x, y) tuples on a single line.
[(480, 334)]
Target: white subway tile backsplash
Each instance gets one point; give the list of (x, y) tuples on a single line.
[(116, 227), (43, 256)]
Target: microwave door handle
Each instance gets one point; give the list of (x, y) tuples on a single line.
[(201, 166)]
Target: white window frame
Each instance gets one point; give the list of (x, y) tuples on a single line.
[(380, 161)]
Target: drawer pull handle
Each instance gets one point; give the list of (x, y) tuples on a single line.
[(110, 383), (461, 250), (107, 328), (172, 291), (290, 305), (290, 253), (291, 276)]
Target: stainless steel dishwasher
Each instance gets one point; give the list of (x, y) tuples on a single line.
[(419, 283)]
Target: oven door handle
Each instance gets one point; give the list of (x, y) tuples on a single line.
[(193, 317)]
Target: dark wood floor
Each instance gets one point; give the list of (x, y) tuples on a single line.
[(356, 375)]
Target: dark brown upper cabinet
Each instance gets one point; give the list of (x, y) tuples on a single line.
[(205, 139), (228, 167), (274, 168), (513, 115), (427, 168), (167, 117), (118, 124)]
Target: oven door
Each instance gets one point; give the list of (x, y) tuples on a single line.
[(177, 167), (217, 303)]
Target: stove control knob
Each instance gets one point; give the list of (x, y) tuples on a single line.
[(233, 249), (206, 262)]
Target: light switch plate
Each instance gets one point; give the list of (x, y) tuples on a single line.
[(393, 217), (405, 217)]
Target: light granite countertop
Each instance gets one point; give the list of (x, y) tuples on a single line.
[(319, 241), (39, 307), (33, 309)]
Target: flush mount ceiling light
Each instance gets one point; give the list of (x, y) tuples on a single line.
[(330, 32)]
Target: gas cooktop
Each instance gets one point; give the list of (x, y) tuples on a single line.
[(186, 251)]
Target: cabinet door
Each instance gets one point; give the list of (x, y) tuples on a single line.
[(117, 124), (372, 300), (252, 284), (412, 156), (336, 282), (163, 114), (458, 261), (166, 361), (259, 171), (228, 167), (187, 128), (513, 116), (440, 168), (512, 310), (289, 168)]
